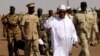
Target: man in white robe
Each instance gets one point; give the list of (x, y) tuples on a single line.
[(63, 33)]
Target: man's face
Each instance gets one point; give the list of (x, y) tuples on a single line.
[(50, 12), (39, 12), (12, 10), (62, 13), (31, 9)]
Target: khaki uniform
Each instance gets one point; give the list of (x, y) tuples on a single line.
[(11, 23), (43, 35), (94, 36), (85, 23), (30, 23)]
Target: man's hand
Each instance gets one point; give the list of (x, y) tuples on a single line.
[(24, 36), (76, 44)]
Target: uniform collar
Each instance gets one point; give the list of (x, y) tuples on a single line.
[(12, 14), (84, 12)]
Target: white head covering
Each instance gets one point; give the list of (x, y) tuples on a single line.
[(79, 9), (68, 7), (62, 7)]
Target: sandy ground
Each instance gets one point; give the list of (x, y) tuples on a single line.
[(94, 50)]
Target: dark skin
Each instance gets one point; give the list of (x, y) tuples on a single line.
[(12, 11), (39, 13), (62, 13), (50, 13), (83, 6), (31, 10)]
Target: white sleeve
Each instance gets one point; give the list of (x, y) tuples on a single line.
[(48, 23)]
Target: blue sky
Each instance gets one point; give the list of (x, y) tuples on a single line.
[(45, 4)]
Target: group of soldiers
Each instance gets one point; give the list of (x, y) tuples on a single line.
[(29, 28)]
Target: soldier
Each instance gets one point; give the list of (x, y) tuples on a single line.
[(74, 11), (43, 34), (29, 27), (11, 24), (4, 27), (85, 23), (98, 20), (50, 13), (69, 12), (93, 35)]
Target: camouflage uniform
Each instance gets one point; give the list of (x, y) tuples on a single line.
[(30, 23), (43, 35), (85, 23), (11, 23)]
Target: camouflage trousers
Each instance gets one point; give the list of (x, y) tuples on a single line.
[(12, 37), (45, 39)]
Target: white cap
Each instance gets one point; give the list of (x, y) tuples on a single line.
[(68, 7), (79, 9), (63, 7)]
